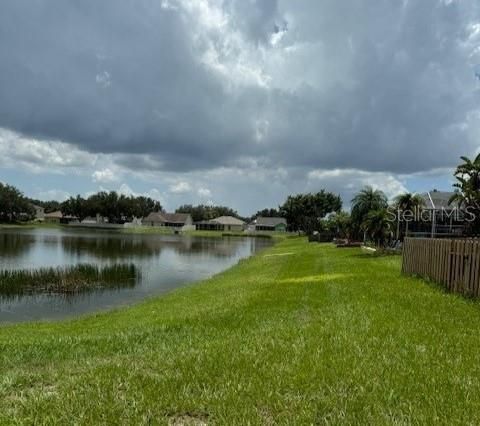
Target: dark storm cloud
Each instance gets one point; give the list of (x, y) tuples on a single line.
[(190, 85), (399, 87), (112, 77)]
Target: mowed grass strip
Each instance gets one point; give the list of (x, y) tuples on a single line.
[(320, 335)]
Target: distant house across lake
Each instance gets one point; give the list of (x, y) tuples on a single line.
[(222, 223), (53, 217), (270, 224), (172, 220), (39, 213), (58, 217)]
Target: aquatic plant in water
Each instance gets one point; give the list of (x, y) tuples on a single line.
[(70, 279)]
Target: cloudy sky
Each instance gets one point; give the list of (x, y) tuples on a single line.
[(238, 102)]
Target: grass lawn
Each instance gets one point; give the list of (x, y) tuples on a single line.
[(300, 334)]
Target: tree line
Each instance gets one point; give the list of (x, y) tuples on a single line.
[(118, 208)]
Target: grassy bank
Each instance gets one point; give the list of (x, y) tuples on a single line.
[(300, 334), (29, 225), (150, 230), (71, 279)]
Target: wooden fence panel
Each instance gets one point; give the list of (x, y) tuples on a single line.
[(453, 263)]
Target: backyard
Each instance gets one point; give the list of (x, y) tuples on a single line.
[(300, 333)]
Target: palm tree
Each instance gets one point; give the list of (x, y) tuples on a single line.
[(468, 183), (378, 226), (407, 202), (367, 200), (467, 192)]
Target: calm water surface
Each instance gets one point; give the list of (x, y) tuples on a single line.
[(165, 262)]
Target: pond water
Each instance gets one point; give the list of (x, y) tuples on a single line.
[(165, 262)]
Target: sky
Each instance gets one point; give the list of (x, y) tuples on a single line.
[(236, 102)]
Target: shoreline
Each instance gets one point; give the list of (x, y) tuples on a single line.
[(147, 230)]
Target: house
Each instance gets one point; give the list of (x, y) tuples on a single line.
[(58, 217), (53, 217), (437, 218), (222, 223), (39, 213), (271, 224), (153, 219), (172, 220)]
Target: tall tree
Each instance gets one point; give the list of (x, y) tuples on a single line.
[(378, 226), (266, 213), (303, 212), (367, 200), (14, 205), (338, 224), (467, 194), (407, 202)]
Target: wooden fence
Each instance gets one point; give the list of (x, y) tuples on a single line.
[(453, 263)]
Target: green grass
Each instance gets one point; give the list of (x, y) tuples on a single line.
[(300, 334), (147, 230), (29, 225), (70, 279)]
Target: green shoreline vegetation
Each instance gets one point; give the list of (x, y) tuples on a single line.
[(66, 280), (297, 334), (154, 230)]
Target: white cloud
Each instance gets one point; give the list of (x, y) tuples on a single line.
[(153, 193), (104, 176), (180, 187), (349, 181), (204, 193), (40, 155)]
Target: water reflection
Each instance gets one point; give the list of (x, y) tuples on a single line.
[(14, 245), (164, 262)]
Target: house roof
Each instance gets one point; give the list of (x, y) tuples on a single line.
[(154, 217), (270, 221), (167, 217), (175, 217), (438, 200), (55, 215), (228, 220)]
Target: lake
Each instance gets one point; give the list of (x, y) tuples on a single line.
[(165, 262)]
